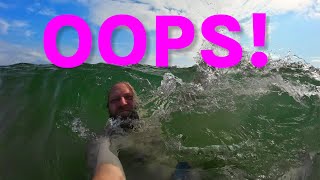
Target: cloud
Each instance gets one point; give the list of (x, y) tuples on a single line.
[(13, 53), (3, 5), (4, 26), (147, 10), (45, 11), (19, 23), (315, 11), (29, 33), (17, 26), (34, 7)]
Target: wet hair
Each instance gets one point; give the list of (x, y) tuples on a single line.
[(135, 97)]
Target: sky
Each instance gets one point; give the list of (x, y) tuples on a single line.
[(293, 26)]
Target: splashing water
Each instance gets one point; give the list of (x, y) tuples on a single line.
[(237, 123)]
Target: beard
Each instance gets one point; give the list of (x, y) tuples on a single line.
[(125, 119)]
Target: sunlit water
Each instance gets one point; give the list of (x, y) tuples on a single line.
[(238, 123)]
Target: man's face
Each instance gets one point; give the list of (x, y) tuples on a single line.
[(121, 101)]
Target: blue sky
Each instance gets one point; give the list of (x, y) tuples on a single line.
[(294, 25)]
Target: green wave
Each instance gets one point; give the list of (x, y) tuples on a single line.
[(240, 122)]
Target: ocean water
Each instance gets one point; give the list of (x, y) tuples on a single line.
[(237, 123)]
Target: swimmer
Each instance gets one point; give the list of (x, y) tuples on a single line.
[(122, 106)]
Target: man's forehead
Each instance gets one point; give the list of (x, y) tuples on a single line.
[(120, 89)]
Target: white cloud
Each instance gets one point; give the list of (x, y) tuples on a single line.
[(4, 5), (147, 10), (315, 11), (290, 5), (34, 7), (19, 23), (4, 26), (47, 12), (29, 33), (30, 9), (13, 53), (16, 26)]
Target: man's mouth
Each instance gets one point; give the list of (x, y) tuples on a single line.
[(124, 111)]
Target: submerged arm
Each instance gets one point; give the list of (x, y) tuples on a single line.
[(107, 165)]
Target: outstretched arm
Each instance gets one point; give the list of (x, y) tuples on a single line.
[(107, 166), (108, 172)]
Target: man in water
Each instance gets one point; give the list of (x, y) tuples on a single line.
[(122, 104)]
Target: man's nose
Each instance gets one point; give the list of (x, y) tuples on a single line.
[(123, 101)]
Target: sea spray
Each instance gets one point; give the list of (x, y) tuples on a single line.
[(239, 122)]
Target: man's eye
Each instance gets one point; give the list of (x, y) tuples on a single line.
[(128, 97), (115, 100)]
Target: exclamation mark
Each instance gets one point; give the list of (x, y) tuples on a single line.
[(259, 59)]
